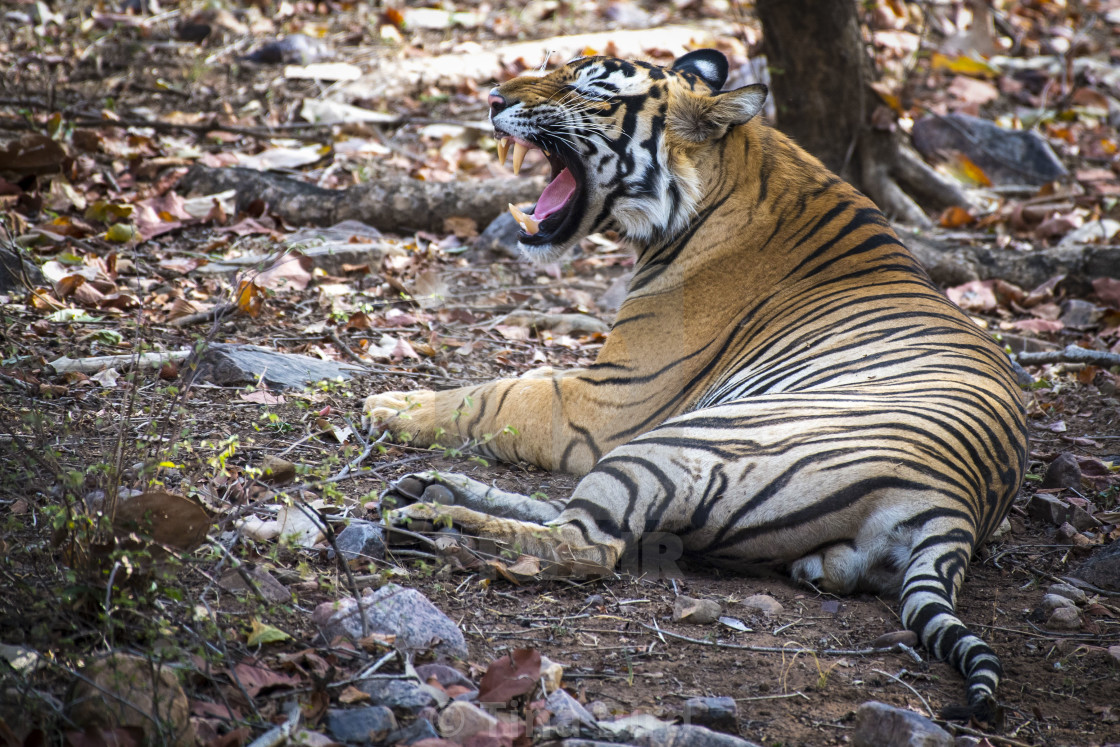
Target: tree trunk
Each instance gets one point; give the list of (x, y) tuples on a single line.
[(819, 74), (820, 78)]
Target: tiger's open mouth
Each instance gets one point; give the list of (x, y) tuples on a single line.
[(556, 216)]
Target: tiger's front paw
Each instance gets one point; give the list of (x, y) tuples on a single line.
[(399, 412)]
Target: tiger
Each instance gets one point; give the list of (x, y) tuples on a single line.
[(783, 386)]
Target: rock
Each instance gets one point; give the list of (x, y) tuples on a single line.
[(720, 714), (460, 721), (1063, 472), (688, 736), (271, 589), (11, 274), (1114, 652), (763, 603), (1005, 156), (1068, 534), (393, 610), (1049, 509), (568, 714), (1102, 569), (362, 539), (500, 236), (1069, 592), (1064, 618), (1051, 602), (122, 690), (1080, 315), (446, 676), (418, 730), (600, 710), (696, 611), (887, 640), (236, 365), (370, 724), (404, 697), (881, 725), (594, 600)]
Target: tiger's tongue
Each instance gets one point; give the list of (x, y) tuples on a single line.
[(558, 192)]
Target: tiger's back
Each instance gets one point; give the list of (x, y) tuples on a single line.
[(783, 385)]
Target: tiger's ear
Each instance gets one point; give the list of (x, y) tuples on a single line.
[(701, 118), (708, 64)]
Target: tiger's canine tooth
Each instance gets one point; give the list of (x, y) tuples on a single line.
[(527, 222), (519, 152), (503, 150)]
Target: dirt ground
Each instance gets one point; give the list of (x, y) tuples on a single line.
[(613, 637)]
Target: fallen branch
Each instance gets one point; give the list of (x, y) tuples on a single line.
[(1071, 354), (398, 206), (208, 315), (93, 365)]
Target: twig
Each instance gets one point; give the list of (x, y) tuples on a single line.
[(215, 313), (1070, 354), (994, 738), (896, 648), (26, 386), (199, 129), (794, 694), (908, 686), (282, 733)]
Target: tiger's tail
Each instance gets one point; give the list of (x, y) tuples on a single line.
[(936, 569)]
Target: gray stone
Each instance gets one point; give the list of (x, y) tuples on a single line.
[(269, 588), (689, 736), (414, 732), (696, 611), (13, 268), (500, 236), (1006, 156), (362, 539), (404, 697), (763, 603), (569, 716), (1051, 602), (1054, 511), (460, 721), (1064, 619), (446, 676), (881, 725), (362, 725), (1102, 569), (235, 365), (1081, 315), (720, 714), (1063, 472), (392, 610), (1069, 592)]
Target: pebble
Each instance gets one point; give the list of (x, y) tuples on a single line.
[(370, 724), (460, 721), (688, 735), (764, 603), (393, 610), (696, 611), (362, 539), (404, 697), (1063, 472), (1064, 618), (568, 714), (417, 731), (1102, 569), (1069, 592), (878, 724), (1051, 602), (719, 714)]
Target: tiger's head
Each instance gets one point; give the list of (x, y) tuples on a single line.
[(625, 140)]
